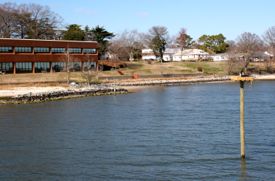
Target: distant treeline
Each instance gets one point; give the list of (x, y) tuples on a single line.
[(34, 21)]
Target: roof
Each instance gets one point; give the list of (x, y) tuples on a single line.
[(220, 54), (42, 40), (48, 43), (262, 54), (191, 52)]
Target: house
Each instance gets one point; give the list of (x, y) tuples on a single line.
[(190, 54), (169, 53), (220, 57), (261, 56), (258, 56), (175, 54), (148, 54)]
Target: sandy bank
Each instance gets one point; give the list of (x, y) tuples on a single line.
[(19, 91), (264, 77)]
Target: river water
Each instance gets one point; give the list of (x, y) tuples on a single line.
[(188, 132)]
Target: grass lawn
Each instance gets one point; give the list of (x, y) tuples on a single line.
[(157, 68), (140, 68)]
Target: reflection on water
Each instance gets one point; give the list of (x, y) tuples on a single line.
[(170, 133), (243, 175)]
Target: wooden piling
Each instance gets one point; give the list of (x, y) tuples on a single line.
[(242, 128)]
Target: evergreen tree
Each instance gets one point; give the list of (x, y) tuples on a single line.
[(213, 43), (74, 32), (102, 36)]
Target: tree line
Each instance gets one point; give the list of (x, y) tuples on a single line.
[(34, 21)]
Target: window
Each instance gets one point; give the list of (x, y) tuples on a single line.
[(23, 49), (75, 66), (42, 67), (5, 49), (89, 50), (22, 67), (6, 67), (41, 50), (58, 50), (74, 50), (58, 66), (89, 65)]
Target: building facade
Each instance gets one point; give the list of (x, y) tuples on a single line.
[(175, 54), (28, 55), (148, 54), (190, 55), (220, 57)]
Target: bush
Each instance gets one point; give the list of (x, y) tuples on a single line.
[(200, 69)]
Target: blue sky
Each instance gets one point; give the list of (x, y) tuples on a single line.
[(230, 17)]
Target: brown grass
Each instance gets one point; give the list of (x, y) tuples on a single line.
[(139, 68)]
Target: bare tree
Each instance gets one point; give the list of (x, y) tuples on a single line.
[(23, 22), (184, 40), (234, 65), (89, 72), (7, 19), (181, 39), (269, 38), (28, 21), (127, 45), (247, 44), (42, 21)]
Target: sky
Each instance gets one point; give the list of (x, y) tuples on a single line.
[(198, 17)]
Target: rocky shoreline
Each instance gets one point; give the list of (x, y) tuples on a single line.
[(23, 95), (64, 94), (171, 81)]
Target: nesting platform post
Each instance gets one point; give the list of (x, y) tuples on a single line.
[(242, 81)]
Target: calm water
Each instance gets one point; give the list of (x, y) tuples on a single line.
[(186, 132)]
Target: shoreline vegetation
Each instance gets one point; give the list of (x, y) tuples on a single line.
[(41, 87)]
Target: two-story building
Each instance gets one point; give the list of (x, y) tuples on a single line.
[(29, 55)]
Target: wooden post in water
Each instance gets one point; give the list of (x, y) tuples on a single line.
[(242, 128)]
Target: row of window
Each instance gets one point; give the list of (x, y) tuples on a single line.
[(44, 66), (47, 50), (6, 49)]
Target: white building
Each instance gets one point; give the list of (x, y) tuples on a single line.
[(261, 56), (175, 54), (169, 53), (148, 54), (220, 57), (190, 54)]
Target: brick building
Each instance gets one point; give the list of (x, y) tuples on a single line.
[(28, 55)]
